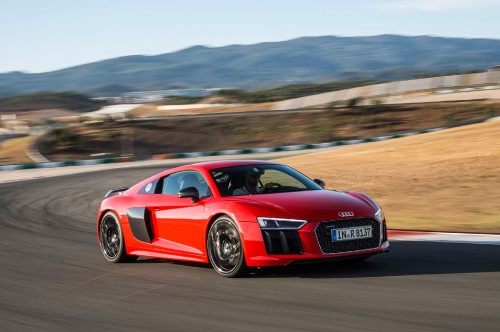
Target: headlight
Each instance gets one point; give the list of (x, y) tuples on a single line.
[(279, 223), (379, 215)]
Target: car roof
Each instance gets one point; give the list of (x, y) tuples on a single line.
[(210, 165), (202, 167), (229, 163)]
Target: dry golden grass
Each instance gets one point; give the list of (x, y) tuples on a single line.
[(12, 151), (442, 181)]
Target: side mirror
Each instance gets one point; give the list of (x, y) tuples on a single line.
[(190, 192), (320, 183)]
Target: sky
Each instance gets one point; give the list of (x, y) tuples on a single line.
[(45, 35)]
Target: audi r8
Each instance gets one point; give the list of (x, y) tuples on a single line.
[(238, 214)]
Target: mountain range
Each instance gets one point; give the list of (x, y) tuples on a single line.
[(264, 65)]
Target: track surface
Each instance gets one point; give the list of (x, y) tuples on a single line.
[(53, 277)]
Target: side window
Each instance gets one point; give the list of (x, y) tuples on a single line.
[(277, 176), (222, 181), (173, 183), (149, 188)]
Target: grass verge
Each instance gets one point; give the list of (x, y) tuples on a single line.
[(12, 151), (442, 181)]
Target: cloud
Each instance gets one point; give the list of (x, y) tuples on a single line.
[(434, 5)]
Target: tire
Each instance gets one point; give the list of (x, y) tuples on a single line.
[(225, 249), (111, 240)]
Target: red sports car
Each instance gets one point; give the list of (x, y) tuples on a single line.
[(238, 214)]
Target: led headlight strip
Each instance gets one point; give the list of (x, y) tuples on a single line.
[(280, 223)]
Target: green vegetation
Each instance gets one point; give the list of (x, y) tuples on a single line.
[(289, 91), (65, 137), (47, 100), (352, 103)]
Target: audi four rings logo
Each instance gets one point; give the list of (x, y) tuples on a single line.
[(346, 214)]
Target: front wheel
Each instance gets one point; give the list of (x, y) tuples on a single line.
[(224, 247), (111, 240)]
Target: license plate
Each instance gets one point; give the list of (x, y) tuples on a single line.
[(352, 233)]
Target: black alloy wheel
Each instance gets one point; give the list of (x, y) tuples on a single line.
[(224, 247), (111, 239)]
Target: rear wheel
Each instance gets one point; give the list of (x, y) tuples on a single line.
[(111, 240), (224, 247)]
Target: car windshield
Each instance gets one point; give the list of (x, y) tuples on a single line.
[(260, 179)]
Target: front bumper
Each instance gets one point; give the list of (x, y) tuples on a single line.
[(258, 253)]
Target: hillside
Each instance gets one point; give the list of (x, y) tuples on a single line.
[(442, 181), (301, 60), (49, 100), (260, 129)]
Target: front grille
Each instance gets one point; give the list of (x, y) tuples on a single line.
[(324, 236)]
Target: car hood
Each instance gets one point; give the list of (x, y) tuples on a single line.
[(315, 205)]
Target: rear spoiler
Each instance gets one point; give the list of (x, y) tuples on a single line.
[(116, 190)]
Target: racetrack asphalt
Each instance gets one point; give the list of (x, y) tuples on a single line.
[(53, 278)]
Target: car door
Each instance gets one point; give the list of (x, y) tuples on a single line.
[(178, 222)]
